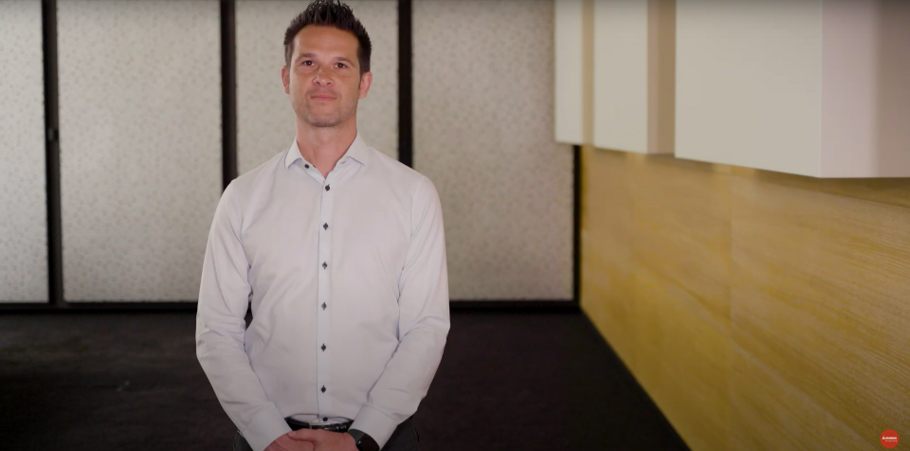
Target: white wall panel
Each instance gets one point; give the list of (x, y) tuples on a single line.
[(747, 76), (866, 88), (569, 65), (621, 75), (140, 126), (265, 120), (23, 203), (483, 126), (634, 75), (808, 87)]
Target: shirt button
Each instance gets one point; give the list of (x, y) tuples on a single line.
[(325, 419), (325, 226), (323, 305), (323, 347), (323, 388), (306, 166), (327, 187), (325, 265)]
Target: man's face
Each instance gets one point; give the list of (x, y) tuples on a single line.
[(323, 78)]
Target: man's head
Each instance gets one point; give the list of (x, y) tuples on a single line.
[(327, 63)]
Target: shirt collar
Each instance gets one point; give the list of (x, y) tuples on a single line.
[(358, 151)]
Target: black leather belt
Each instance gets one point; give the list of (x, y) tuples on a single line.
[(332, 427)]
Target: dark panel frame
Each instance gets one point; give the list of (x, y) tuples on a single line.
[(405, 85), (228, 91), (52, 154), (229, 171)]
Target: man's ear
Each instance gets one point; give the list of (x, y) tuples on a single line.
[(286, 79), (365, 81)]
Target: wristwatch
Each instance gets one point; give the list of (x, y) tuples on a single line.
[(363, 440)]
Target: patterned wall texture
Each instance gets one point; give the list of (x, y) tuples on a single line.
[(23, 205), (265, 120), (140, 127), (483, 125)]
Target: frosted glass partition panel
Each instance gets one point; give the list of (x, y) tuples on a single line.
[(810, 87), (633, 75), (483, 126), (265, 120), (140, 127), (23, 203)]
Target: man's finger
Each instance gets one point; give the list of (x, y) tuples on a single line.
[(310, 435)]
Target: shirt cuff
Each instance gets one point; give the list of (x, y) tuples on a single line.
[(375, 423), (264, 428)]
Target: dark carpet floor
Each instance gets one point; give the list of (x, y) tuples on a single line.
[(508, 381)]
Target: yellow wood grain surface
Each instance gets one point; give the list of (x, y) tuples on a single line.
[(759, 310)]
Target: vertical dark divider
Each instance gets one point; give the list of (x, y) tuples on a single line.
[(576, 225), (228, 91), (52, 154), (405, 85), (229, 100)]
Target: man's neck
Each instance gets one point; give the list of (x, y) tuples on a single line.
[(324, 146)]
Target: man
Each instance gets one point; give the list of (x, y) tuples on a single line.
[(339, 250)]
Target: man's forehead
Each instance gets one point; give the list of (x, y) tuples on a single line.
[(314, 38)]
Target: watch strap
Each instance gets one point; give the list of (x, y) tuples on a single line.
[(363, 440)]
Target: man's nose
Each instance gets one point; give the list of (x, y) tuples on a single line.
[(322, 77)]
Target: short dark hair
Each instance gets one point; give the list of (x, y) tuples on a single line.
[(335, 14)]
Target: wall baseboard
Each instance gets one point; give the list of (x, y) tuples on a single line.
[(473, 305)]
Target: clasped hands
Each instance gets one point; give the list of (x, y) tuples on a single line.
[(313, 440)]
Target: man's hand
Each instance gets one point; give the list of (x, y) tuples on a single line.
[(325, 440), (286, 443)]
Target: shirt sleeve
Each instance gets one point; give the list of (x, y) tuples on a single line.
[(422, 326), (223, 298)]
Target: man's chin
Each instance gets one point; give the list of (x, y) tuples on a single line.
[(323, 121)]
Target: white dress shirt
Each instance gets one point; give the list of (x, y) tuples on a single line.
[(346, 275)]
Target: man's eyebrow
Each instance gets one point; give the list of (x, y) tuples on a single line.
[(313, 55)]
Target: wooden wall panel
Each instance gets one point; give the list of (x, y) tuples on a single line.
[(820, 296), (608, 253), (759, 310), (685, 237), (649, 282), (769, 413), (683, 358)]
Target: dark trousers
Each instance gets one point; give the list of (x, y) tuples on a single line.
[(404, 438)]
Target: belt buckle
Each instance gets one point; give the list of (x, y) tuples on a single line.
[(319, 425)]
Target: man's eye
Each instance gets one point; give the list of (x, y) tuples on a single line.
[(342, 65), (307, 63)]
